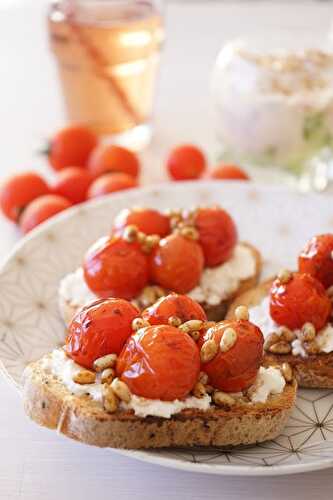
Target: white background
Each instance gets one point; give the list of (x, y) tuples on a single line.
[(36, 464)]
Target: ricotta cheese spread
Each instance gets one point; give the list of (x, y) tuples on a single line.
[(269, 381), (260, 316), (216, 284)]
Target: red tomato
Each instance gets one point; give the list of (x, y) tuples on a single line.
[(229, 172), (181, 306), (237, 368), (114, 267), (317, 259), (41, 209), (147, 220), (18, 191), (71, 147), (98, 329), (110, 183), (73, 184), (159, 362), (177, 263), (217, 235), (186, 162), (303, 299), (111, 158)]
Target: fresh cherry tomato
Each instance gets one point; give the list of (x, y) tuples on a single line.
[(41, 209), (110, 183), (147, 220), (317, 259), (235, 369), (159, 362), (18, 191), (181, 306), (229, 172), (301, 300), (111, 158), (71, 147), (73, 184), (115, 268), (98, 329), (177, 263), (217, 235), (186, 162)]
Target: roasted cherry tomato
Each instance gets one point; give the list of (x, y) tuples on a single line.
[(186, 162), (181, 306), (229, 172), (159, 362), (217, 234), (108, 158), (235, 369), (98, 329), (115, 268), (18, 191), (177, 263), (147, 220), (301, 300), (71, 147), (317, 259), (110, 183), (73, 184), (41, 209)]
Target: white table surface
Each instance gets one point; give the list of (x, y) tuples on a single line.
[(36, 464)]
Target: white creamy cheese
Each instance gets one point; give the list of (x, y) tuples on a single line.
[(155, 407), (269, 381), (219, 283), (216, 284), (260, 316)]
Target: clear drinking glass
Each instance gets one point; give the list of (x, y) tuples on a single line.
[(108, 54), (273, 100)]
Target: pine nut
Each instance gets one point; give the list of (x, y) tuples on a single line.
[(107, 376), (138, 323), (190, 233), (130, 233), (174, 321), (199, 390), (228, 339), (311, 347), (159, 291), (148, 296), (208, 351), (286, 334), (272, 339), (242, 313), (152, 240), (141, 237), (84, 377), (223, 399), (121, 390), (192, 324), (104, 362), (308, 332), (195, 335), (203, 378), (287, 372), (110, 400), (280, 348), (285, 276)]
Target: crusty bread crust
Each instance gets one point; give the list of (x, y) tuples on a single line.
[(315, 371), (214, 313), (49, 403)]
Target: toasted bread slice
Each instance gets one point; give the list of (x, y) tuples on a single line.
[(214, 313), (315, 371), (49, 403)]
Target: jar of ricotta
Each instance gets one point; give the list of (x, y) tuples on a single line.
[(275, 107)]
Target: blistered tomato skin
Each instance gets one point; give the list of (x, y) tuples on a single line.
[(147, 220), (237, 368), (98, 329), (302, 299), (317, 259), (115, 268), (159, 362), (177, 263), (217, 235), (181, 306)]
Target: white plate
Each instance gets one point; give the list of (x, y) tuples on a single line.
[(277, 221)]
